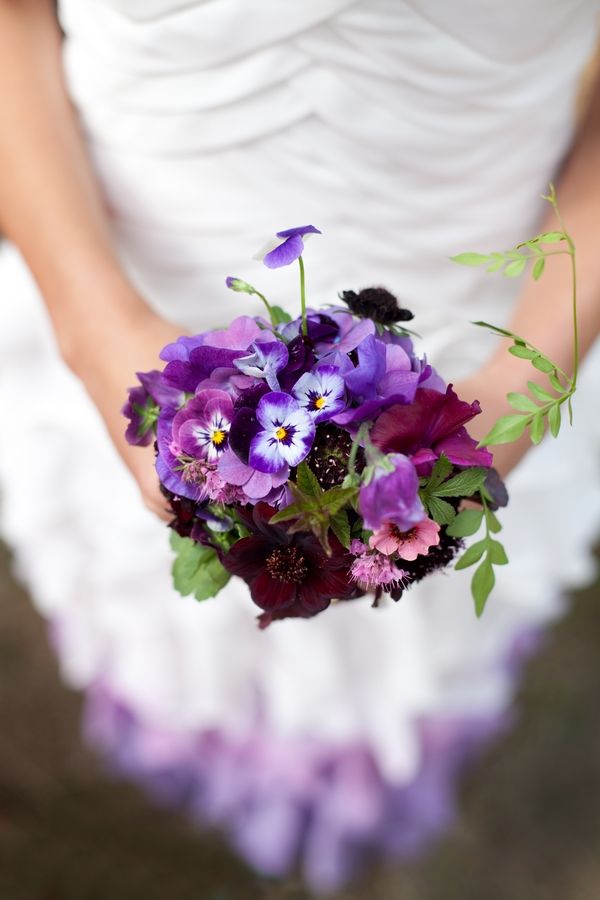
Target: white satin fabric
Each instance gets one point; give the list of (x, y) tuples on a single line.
[(407, 132)]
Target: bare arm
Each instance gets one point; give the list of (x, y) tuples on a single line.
[(543, 314), (51, 208)]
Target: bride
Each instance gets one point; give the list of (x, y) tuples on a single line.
[(147, 149)]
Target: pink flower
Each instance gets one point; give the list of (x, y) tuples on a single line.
[(407, 544), (372, 569)]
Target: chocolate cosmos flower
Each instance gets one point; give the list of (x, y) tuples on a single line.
[(288, 574)]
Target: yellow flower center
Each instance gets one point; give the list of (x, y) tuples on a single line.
[(218, 437), (320, 402), (281, 434)]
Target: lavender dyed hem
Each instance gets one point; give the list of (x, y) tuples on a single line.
[(285, 804)]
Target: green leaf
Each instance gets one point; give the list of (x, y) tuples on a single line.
[(536, 429), (307, 481), (439, 473), (466, 523), (543, 364), (462, 485), (471, 555), (506, 429), (515, 268), (196, 569), (539, 392), (441, 511), (556, 382), (538, 268), (498, 261), (341, 527), (492, 522), (294, 510), (279, 316), (554, 419), (550, 237), (522, 402), (470, 259), (523, 352), (497, 553), (336, 498), (481, 585), (497, 330)]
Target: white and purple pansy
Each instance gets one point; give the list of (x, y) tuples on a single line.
[(286, 433), (287, 247), (321, 393), (201, 428), (265, 360)]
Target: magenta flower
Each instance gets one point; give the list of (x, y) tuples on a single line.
[(201, 428), (288, 248), (285, 436), (391, 495), (417, 541), (373, 570), (432, 424), (321, 392)]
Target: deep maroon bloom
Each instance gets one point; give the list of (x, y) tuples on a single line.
[(429, 426), (289, 574), (377, 304)]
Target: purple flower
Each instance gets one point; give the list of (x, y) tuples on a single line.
[(320, 327), (288, 248), (142, 412), (266, 360), (351, 332), (286, 435), (392, 495), (383, 376), (255, 485), (200, 429), (321, 392)]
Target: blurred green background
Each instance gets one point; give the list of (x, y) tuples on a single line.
[(529, 827)]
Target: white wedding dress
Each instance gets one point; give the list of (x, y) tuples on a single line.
[(407, 131)]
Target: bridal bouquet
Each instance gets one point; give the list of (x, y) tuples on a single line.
[(319, 458)]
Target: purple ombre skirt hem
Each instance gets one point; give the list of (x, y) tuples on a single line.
[(293, 804)]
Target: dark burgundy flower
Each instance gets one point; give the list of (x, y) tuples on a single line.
[(288, 574), (377, 304), (432, 424)]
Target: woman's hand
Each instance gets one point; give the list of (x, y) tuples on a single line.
[(106, 361)]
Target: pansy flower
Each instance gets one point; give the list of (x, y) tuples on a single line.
[(265, 360), (285, 436), (321, 392), (287, 247), (201, 428)]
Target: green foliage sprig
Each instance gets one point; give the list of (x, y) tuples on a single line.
[(540, 407), (317, 510)]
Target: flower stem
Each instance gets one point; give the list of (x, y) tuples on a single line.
[(303, 296)]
